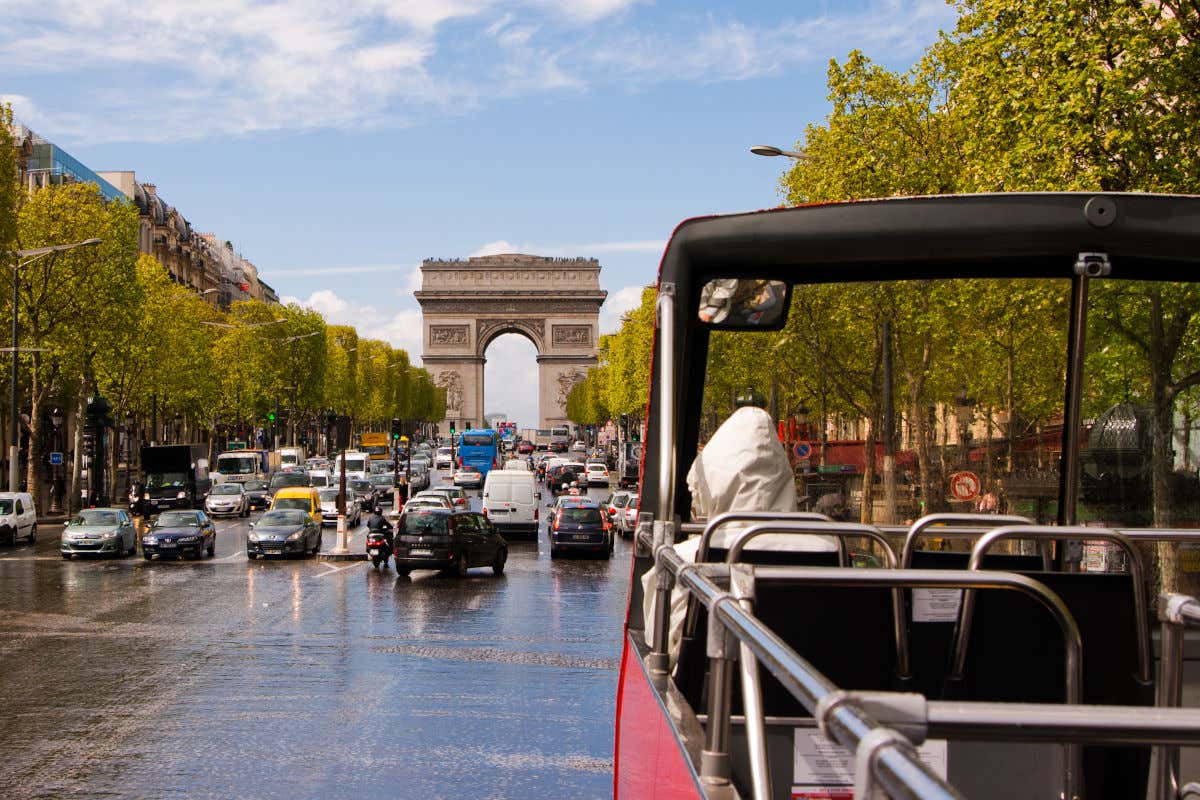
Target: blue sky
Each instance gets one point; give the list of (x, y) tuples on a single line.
[(337, 144)]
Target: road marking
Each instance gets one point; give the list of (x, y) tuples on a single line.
[(329, 570), (230, 558)]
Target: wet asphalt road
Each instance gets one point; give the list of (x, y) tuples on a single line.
[(289, 679)]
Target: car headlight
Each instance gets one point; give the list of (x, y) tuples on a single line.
[(146, 496), (296, 536), (110, 535), (149, 540), (252, 536), (181, 495)]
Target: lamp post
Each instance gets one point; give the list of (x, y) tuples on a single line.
[(130, 421), (963, 407), (56, 420), (771, 151), (178, 427), (24, 258)]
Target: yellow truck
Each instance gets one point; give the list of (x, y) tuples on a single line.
[(375, 445)]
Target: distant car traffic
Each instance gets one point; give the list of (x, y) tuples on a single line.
[(444, 458), (281, 533), (468, 476), (597, 473), (615, 503), (329, 509), (581, 527), (284, 480), (181, 534), (428, 501), (441, 539), (228, 499), (99, 531), (455, 494), (627, 516)]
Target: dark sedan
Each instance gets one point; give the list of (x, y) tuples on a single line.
[(180, 533), (283, 532), (258, 493), (436, 538), (580, 527)]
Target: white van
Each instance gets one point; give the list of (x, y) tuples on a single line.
[(18, 518), (510, 501)]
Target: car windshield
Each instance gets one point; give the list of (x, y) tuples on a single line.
[(284, 479), (165, 480), (255, 486), (300, 503), (360, 486), (580, 514), (381, 480), (90, 516), (329, 495), (168, 519), (227, 488), (237, 465), (620, 501), (424, 524), (281, 518)]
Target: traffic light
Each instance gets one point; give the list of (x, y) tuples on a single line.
[(271, 416), (451, 427), (625, 425), (397, 429), (89, 442)]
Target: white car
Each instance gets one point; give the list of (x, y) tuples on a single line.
[(444, 458), (468, 476), (518, 464), (227, 498), (627, 516), (597, 474), (428, 501)]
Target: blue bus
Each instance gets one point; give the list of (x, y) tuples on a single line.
[(477, 448)]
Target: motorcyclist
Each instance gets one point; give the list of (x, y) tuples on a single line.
[(377, 523)]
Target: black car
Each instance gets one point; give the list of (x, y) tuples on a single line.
[(438, 538), (180, 533), (258, 494), (384, 487), (283, 480), (363, 493), (580, 526), (569, 474), (283, 532)]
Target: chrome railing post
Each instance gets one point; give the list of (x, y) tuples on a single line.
[(659, 660), (741, 584), (665, 308), (1165, 761), (722, 649)]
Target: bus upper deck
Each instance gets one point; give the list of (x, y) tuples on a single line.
[(1029, 356)]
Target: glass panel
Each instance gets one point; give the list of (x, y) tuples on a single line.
[(739, 302)]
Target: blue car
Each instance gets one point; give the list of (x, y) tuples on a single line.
[(180, 534)]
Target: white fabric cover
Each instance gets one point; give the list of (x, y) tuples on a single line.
[(742, 468)]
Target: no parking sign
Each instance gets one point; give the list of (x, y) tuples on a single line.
[(964, 486), (802, 450)]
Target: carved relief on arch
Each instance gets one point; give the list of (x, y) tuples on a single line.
[(488, 329)]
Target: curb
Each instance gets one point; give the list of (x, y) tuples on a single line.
[(347, 556)]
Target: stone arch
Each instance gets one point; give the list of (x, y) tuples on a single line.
[(467, 303)]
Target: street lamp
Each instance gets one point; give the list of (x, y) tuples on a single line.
[(130, 421), (56, 420), (24, 258), (963, 405), (771, 151)]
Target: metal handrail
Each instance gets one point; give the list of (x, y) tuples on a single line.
[(665, 309), (980, 520), (1140, 609), (721, 520), (889, 758), (840, 530), (1175, 612)]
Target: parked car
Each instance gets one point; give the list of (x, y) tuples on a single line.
[(456, 496), (442, 539), (258, 494), (329, 509), (99, 531), (444, 458), (180, 533), (227, 498), (18, 517), (468, 476), (281, 533), (597, 473), (581, 527)]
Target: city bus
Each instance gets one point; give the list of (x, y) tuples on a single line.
[(478, 449), (375, 445), (560, 438)]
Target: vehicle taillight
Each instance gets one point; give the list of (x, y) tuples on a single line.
[(557, 519), (485, 512)]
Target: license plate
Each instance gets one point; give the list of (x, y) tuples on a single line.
[(581, 537), (417, 553), (273, 549), (166, 544), (374, 551)]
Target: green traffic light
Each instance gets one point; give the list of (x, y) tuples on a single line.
[(270, 416)]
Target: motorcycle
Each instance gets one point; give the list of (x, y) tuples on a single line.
[(378, 548)]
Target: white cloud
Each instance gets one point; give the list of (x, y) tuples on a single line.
[(174, 70), (618, 304), (399, 328), (495, 249)]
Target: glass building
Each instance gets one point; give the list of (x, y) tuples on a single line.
[(49, 164)]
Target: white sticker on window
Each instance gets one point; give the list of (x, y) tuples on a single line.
[(824, 770), (936, 605)]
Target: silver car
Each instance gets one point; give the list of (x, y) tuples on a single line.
[(99, 531), (227, 498)]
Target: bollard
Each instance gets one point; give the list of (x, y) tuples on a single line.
[(341, 533), (396, 501)]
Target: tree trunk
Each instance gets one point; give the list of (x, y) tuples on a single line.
[(924, 479), (1162, 466), (77, 450), (867, 512)]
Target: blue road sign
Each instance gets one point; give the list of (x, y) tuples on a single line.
[(56, 459), (802, 449)]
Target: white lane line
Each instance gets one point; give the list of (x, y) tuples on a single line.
[(232, 557), (329, 569)]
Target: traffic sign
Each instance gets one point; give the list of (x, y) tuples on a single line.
[(802, 449), (964, 485), (56, 459)]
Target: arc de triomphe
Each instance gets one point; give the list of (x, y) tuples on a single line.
[(465, 304)]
